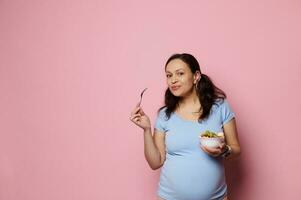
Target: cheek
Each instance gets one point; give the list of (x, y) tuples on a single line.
[(187, 85), (186, 82)]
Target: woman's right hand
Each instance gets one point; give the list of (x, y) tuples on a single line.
[(140, 118)]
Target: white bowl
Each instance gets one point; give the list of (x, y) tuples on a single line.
[(213, 142)]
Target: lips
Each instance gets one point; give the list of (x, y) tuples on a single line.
[(175, 87)]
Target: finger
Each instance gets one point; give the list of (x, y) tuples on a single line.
[(141, 111), (208, 149), (135, 116), (212, 150), (135, 110), (222, 145), (205, 149), (136, 120)]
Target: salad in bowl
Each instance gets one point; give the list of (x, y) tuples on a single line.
[(211, 139)]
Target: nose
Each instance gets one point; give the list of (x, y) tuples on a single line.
[(173, 80)]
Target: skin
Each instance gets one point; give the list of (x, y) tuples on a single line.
[(178, 73)]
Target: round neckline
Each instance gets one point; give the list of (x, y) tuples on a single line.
[(183, 119)]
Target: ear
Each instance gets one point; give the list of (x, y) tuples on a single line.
[(197, 76)]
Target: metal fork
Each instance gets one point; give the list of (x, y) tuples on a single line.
[(141, 96)]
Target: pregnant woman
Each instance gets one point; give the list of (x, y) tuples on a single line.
[(193, 105)]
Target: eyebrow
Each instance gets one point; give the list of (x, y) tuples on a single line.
[(176, 70)]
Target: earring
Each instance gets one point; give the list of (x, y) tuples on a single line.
[(196, 85)]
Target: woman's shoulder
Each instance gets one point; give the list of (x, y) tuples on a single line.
[(162, 112), (220, 103)]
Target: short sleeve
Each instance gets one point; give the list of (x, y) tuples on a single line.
[(160, 123), (226, 112)]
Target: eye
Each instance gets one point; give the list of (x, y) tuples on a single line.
[(181, 73), (167, 75)]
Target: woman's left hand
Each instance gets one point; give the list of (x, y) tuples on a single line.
[(215, 152)]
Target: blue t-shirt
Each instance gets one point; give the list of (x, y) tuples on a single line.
[(189, 173)]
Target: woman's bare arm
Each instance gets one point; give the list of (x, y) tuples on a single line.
[(154, 148), (231, 137)]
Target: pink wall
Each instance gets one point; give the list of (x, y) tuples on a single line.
[(72, 71)]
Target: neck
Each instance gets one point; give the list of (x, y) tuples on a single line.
[(191, 101)]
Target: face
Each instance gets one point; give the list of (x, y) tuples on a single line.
[(180, 79)]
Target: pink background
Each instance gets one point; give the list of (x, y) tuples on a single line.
[(72, 71)]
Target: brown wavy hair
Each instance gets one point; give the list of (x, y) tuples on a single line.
[(207, 92)]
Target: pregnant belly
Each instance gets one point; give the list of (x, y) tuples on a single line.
[(192, 178)]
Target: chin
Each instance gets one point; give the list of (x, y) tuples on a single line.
[(176, 94)]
